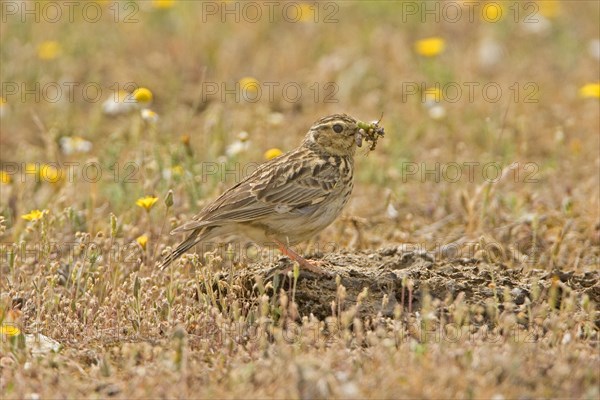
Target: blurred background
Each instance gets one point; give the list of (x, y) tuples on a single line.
[(104, 103)]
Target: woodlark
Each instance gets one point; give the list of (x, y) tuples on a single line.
[(290, 198)]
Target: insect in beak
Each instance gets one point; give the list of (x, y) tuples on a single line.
[(370, 132), (359, 137)]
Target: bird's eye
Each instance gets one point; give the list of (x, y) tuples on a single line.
[(338, 128)]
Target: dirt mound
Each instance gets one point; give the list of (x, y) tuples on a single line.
[(394, 277)]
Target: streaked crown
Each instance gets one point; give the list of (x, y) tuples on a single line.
[(333, 135)]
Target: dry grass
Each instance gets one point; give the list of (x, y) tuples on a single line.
[(78, 276)]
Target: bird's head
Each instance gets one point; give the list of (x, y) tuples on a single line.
[(340, 135)]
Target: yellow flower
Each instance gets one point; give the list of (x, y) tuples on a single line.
[(173, 172), (549, 8), (307, 12), (492, 12), (44, 172), (143, 95), (590, 90), (430, 47), (51, 174), (33, 215), (272, 153), (249, 84), (142, 241), (5, 178), (9, 330), (163, 4), (432, 95), (146, 202), (49, 50), (177, 170)]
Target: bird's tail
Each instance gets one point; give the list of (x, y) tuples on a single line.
[(180, 250)]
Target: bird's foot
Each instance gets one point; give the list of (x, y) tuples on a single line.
[(288, 270), (314, 266)]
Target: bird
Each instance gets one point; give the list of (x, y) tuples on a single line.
[(290, 198)]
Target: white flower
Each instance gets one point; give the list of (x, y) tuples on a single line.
[(489, 52), (537, 25), (243, 136), (437, 112), (149, 116), (75, 144), (241, 145), (121, 102), (391, 212), (236, 148), (275, 118)]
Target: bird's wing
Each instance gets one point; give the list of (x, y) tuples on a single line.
[(282, 185)]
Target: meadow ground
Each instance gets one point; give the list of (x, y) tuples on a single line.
[(465, 266)]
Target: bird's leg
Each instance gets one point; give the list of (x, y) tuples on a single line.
[(300, 260)]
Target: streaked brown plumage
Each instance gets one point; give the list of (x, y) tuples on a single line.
[(289, 198)]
